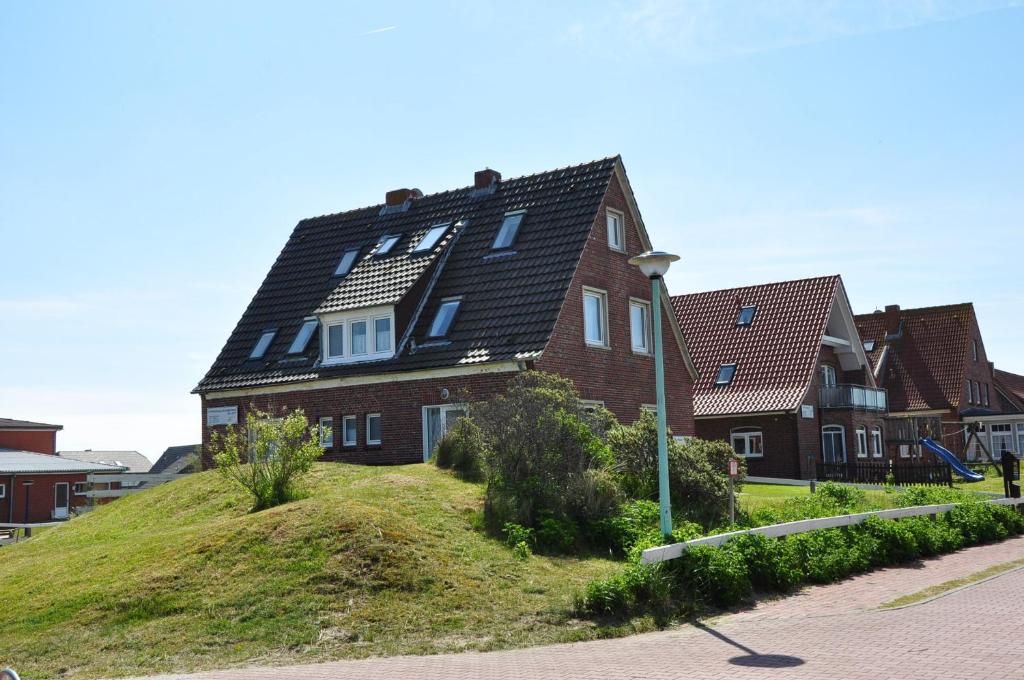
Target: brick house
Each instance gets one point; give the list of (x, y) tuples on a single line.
[(382, 322), (783, 376), (932, 362), (35, 484)]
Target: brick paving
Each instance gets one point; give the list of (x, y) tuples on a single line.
[(833, 631)]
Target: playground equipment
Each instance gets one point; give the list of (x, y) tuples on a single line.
[(8, 674), (950, 458)]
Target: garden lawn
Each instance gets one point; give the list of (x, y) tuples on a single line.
[(374, 561), (774, 496)]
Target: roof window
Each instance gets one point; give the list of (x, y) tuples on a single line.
[(746, 315), (431, 238), (263, 344), (725, 374), (869, 345), (348, 258), (302, 337), (443, 319), (509, 230), (386, 244)]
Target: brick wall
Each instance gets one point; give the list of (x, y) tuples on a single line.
[(38, 441), (621, 378), (40, 496)]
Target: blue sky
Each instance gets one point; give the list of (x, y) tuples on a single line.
[(155, 156)]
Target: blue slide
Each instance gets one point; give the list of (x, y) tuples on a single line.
[(951, 459)]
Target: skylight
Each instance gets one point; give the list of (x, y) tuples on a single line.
[(746, 315), (444, 317), (348, 258), (303, 336), (263, 344), (869, 345), (509, 229), (431, 238), (725, 374), (386, 244)]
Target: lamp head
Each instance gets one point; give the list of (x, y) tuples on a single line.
[(654, 262)]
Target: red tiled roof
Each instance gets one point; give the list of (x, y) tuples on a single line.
[(776, 355), (925, 367), (1012, 385)]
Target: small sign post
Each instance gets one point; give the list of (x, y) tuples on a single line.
[(734, 471)]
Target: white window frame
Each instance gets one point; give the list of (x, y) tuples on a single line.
[(970, 393), (877, 444), (590, 405), (374, 442), (1004, 435), (616, 226), (1020, 438), (645, 307), (425, 423), (346, 319), (974, 350), (746, 435), (988, 396), (650, 408), (977, 393), (3, 491), (828, 376), (831, 429), (345, 441), (602, 297), (326, 442), (74, 489), (352, 323), (862, 441)]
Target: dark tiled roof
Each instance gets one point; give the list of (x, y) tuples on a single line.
[(925, 367), (1011, 385), (11, 424), (776, 355), (175, 459), (510, 303)]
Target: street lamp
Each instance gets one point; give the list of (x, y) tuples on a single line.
[(653, 264)]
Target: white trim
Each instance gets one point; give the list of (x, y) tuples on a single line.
[(620, 231), (3, 490), (374, 442), (842, 439), (372, 379), (66, 509), (347, 320), (645, 307), (84, 491), (746, 434), (877, 442), (602, 296), (861, 433), (326, 443), (345, 441), (444, 408), (831, 341), (591, 403)]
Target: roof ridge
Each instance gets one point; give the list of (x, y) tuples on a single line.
[(760, 285), (955, 305)]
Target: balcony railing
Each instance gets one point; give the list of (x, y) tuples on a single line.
[(853, 396)]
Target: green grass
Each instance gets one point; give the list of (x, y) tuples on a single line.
[(758, 496), (939, 589), (374, 561)]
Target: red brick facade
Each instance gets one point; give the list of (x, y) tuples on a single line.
[(41, 496)]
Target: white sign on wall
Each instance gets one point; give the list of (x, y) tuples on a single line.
[(807, 410), (221, 415)]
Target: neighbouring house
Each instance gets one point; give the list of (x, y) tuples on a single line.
[(177, 460), (131, 461), (933, 364), (382, 322), (25, 435), (783, 376), (39, 487)]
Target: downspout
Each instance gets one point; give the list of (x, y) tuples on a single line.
[(10, 501)]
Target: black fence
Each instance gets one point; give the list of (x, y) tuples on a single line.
[(883, 473)]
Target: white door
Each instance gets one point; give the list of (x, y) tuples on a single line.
[(60, 500), (436, 421), (833, 444)]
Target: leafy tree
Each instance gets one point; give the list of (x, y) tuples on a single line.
[(268, 456)]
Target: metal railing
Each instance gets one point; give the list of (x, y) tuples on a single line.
[(853, 396)]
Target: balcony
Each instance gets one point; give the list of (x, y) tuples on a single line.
[(855, 397)]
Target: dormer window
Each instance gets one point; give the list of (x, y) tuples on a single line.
[(303, 336), (726, 372), (509, 230), (442, 322), (348, 258), (358, 335), (431, 238), (263, 344), (386, 244), (746, 315)]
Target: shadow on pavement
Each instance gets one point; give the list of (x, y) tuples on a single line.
[(751, 658)]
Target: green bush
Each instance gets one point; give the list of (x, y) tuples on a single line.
[(461, 450), (772, 564), (635, 520), (717, 576), (846, 497), (897, 541), (555, 535)]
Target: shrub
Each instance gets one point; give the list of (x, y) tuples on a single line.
[(772, 564), (635, 520), (516, 534), (268, 457), (555, 535), (828, 556), (714, 575), (461, 450), (843, 497), (897, 541)]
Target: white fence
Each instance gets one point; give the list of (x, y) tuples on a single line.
[(663, 553), (131, 482)]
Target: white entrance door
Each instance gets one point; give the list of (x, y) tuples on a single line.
[(436, 421), (60, 500), (833, 444)]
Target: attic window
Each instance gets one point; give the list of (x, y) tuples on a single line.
[(431, 238), (869, 345), (303, 336), (725, 374), (746, 315), (386, 244), (263, 344), (444, 317), (509, 229), (348, 258)]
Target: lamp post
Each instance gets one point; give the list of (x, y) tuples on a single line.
[(653, 264)]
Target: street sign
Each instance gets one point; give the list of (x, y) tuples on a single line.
[(734, 467)]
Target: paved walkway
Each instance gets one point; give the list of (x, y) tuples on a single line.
[(833, 631)]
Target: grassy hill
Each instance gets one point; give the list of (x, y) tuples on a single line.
[(375, 561)]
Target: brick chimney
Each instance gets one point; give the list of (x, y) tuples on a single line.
[(892, 319), (483, 179), (397, 197)]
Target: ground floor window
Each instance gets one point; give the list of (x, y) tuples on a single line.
[(437, 420), (327, 433), (80, 488), (748, 442), (373, 433), (1000, 439), (876, 442), (1020, 438), (862, 442), (349, 431), (833, 444), (3, 491)]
